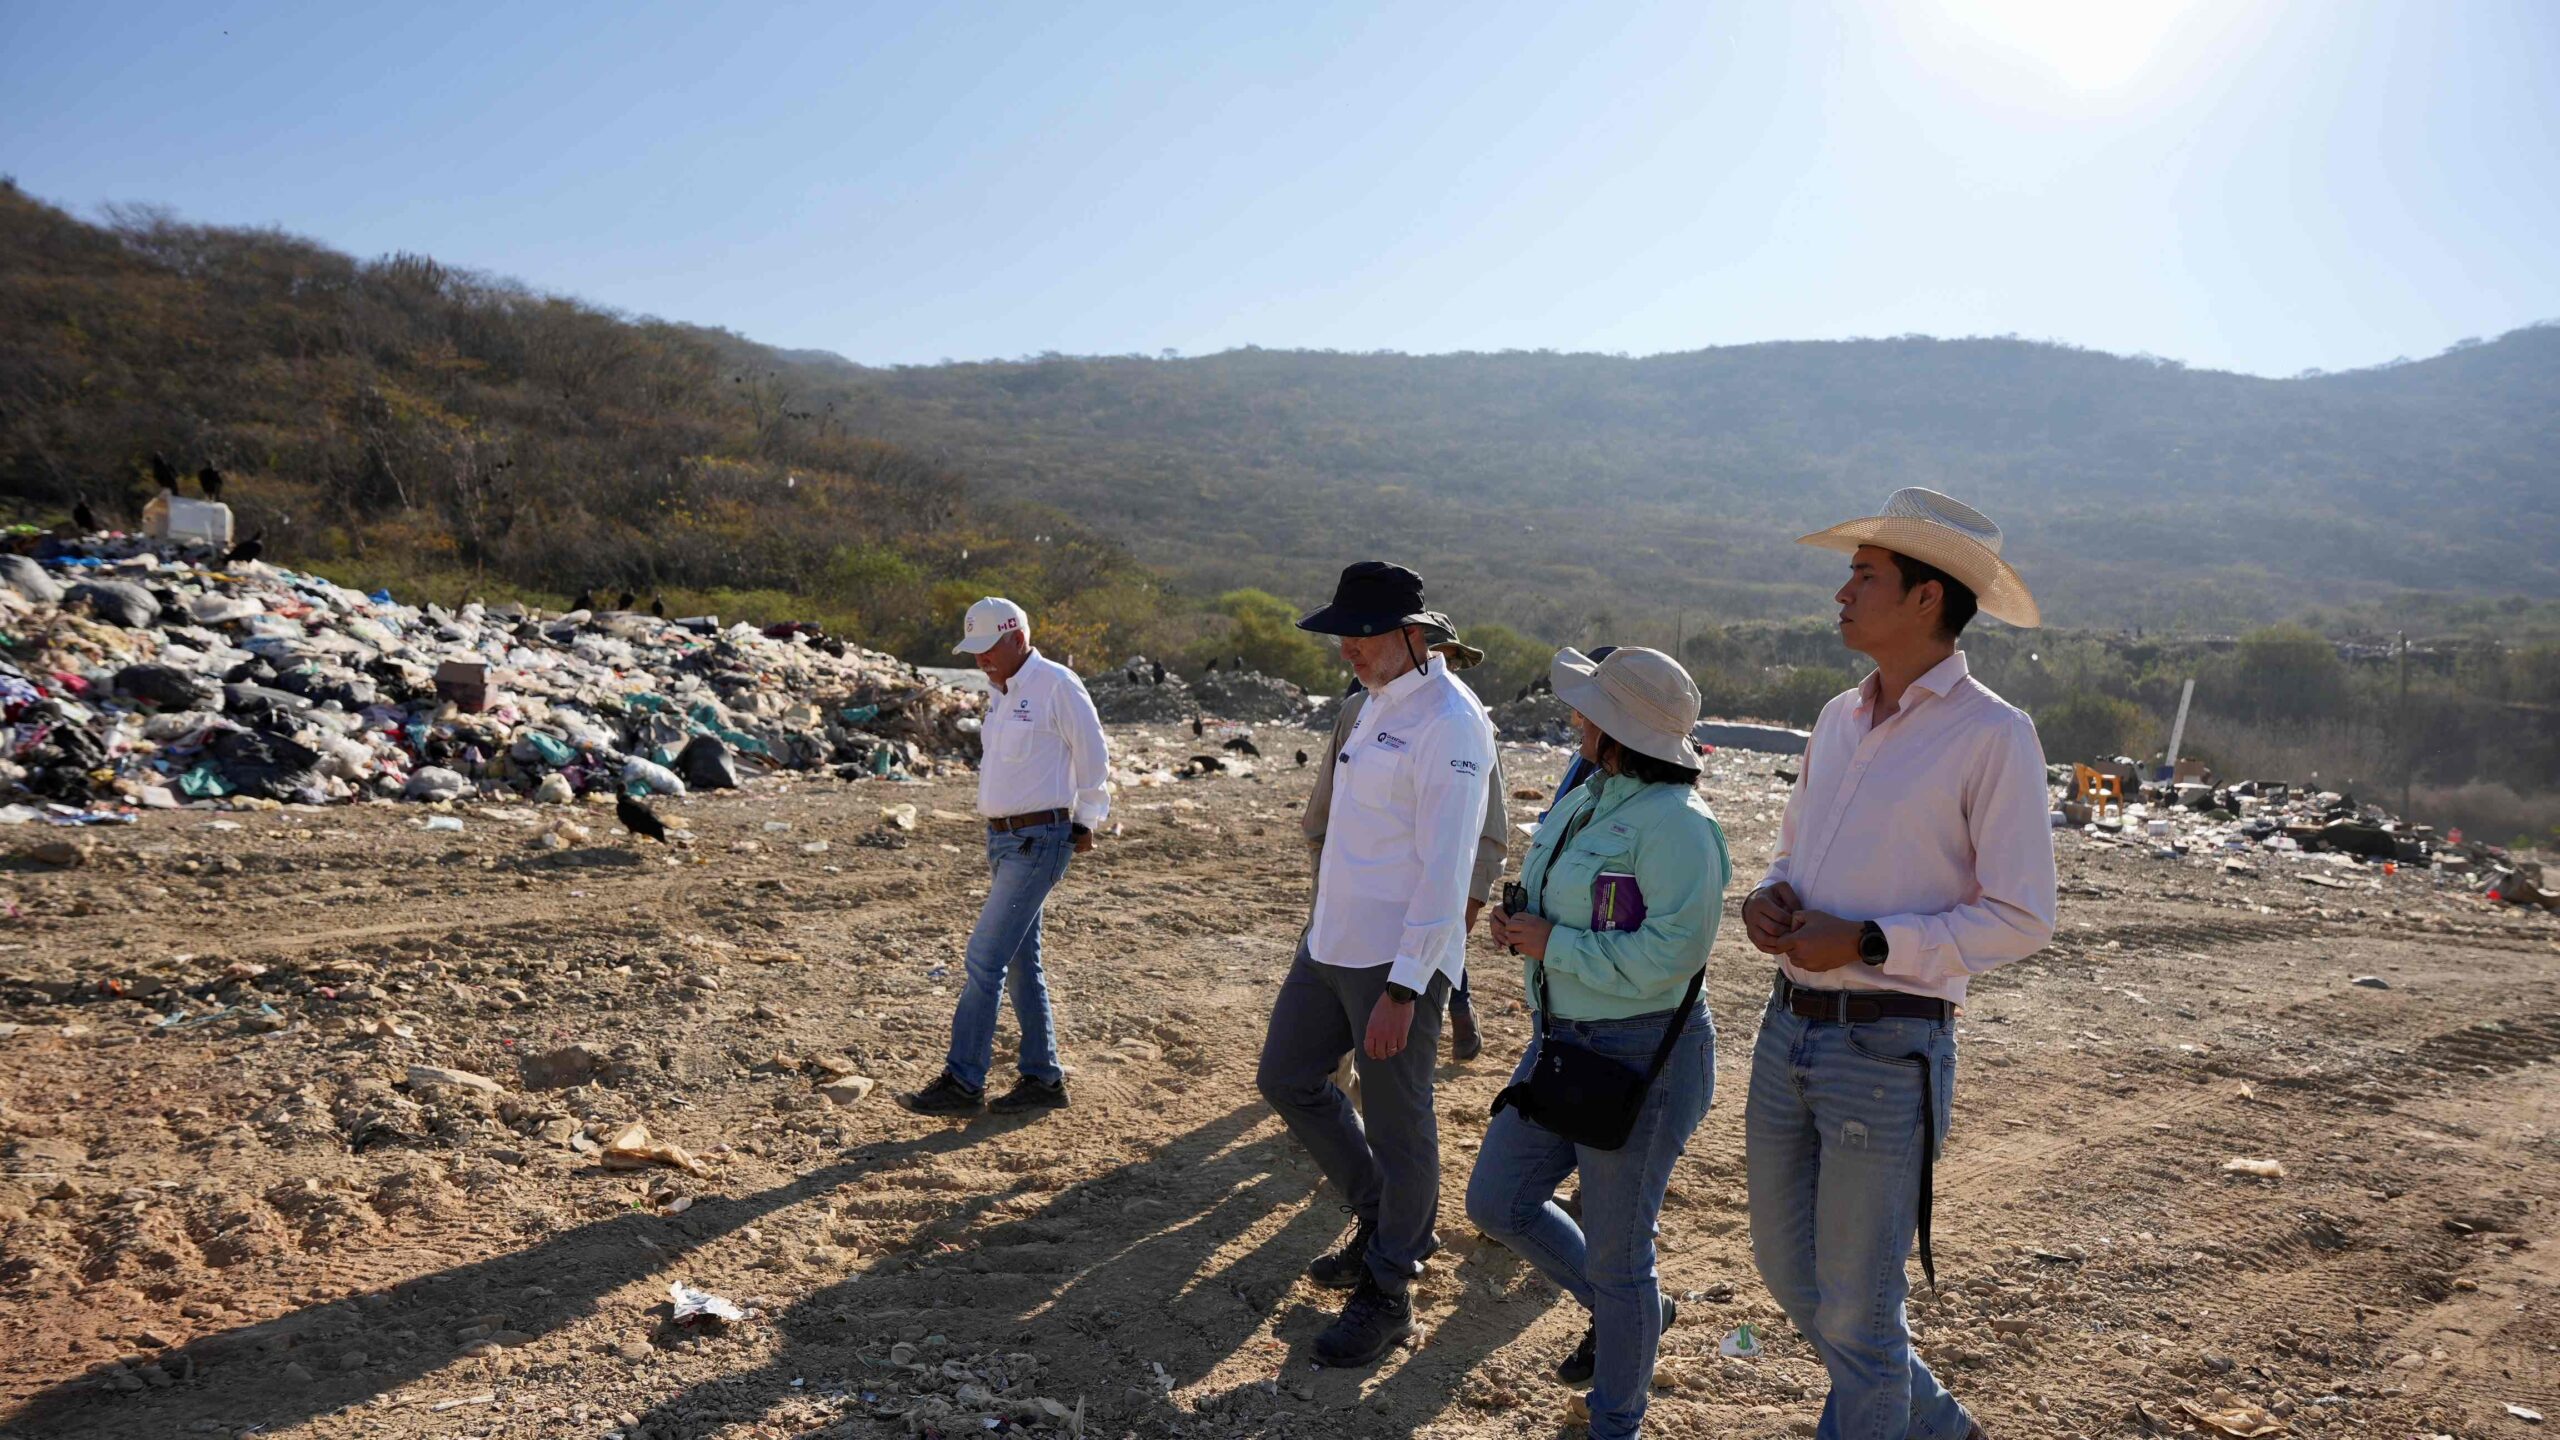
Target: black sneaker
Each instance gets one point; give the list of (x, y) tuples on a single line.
[(1348, 1267), (1577, 1367), (1030, 1094), (1465, 1041), (1373, 1322), (947, 1096)]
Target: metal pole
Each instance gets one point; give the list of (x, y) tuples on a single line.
[(2178, 731), (2400, 727)]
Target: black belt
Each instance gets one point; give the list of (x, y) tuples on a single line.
[(1856, 1007), (1006, 825)]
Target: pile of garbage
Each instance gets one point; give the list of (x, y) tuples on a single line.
[(2245, 822), (135, 672), (1140, 692)]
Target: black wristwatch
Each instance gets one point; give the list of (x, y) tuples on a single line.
[(1402, 994), (1872, 946)]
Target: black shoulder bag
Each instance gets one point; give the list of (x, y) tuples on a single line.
[(1581, 1094)]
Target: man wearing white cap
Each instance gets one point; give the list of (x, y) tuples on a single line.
[(1915, 853), (1042, 787)]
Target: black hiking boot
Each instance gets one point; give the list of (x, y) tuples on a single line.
[(1577, 1367), (1373, 1322), (1466, 1042), (1347, 1267), (947, 1096), (1030, 1094)]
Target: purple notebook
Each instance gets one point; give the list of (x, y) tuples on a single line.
[(1616, 903)]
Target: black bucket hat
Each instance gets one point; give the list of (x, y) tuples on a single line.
[(1372, 598)]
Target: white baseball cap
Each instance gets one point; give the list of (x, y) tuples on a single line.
[(990, 620)]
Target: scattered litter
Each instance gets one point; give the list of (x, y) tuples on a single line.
[(902, 816), (2371, 982), (2530, 1417), (443, 822), (1742, 1344), (2236, 1418), (692, 1304), (632, 1148), (2263, 1169), (483, 1398)]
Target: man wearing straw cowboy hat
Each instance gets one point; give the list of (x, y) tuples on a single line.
[(1375, 964), (1915, 853)]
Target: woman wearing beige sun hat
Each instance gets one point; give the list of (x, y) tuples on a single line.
[(1915, 854), (1616, 909)]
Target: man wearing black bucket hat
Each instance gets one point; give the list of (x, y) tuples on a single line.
[(1375, 966)]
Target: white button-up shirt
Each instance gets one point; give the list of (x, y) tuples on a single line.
[(1408, 806), (1044, 747), (1935, 825)]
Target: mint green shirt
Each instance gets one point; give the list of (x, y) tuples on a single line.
[(1667, 838)]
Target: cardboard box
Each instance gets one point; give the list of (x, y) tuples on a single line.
[(465, 683)]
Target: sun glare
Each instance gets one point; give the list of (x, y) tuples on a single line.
[(2085, 46)]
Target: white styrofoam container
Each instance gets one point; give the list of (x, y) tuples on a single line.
[(197, 522)]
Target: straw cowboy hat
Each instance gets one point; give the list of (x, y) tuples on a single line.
[(1640, 698), (1949, 534)]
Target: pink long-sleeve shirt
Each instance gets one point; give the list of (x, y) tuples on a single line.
[(1935, 825)]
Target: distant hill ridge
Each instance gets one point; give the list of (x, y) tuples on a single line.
[(1543, 485)]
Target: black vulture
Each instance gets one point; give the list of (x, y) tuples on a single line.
[(164, 474), (1302, 759), (625, 602), (1196, 726), (1243, 744), (1239, 664), (210, 481), (1213, 666), (247, 550), (658, 606), (586, 601), (85, 518), (1156, 675), (637, 819)]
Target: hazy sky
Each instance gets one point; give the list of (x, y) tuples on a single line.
[(2261, 185)]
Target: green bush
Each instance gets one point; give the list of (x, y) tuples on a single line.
[(2086, 726)]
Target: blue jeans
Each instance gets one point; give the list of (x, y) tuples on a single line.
[(1833, 1138), (1026, 864), (1606, 1262)]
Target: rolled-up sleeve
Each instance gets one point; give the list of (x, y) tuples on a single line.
[(2012, 916), (1088, 753), (1454, 757), (1493, 845), (1682, 868)]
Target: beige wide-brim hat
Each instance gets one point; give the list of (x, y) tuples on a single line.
[(1949, 534), (1640, 698)]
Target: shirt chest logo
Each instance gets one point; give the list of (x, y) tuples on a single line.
[(1022, 709), (1389, 741)]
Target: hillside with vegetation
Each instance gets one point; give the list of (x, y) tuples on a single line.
[(396, 421)]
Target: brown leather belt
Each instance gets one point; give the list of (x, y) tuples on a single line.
[(1857, 1007), (1010, 823)]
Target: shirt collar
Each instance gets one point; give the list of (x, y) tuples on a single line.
[(1405, 684), (1936, 682), (1030, 658)]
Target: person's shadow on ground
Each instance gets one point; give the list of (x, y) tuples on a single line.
[(1086, 1284)]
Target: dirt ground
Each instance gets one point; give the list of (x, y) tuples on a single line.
[(253, 1220)]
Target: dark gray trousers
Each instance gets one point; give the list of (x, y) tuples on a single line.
[(1389, 1168)]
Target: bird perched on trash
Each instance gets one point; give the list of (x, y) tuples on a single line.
[(1196, 726), (209, 480), (247, 550), (164, 474), (586, 601), (84, 517), (1156, 674), (1243, 744), (1239, 664), (637, 819), (1302, 759), (658, 606), (624, 603), (1213, 666)]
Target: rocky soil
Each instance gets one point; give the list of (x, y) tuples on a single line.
[(315, 1123)]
